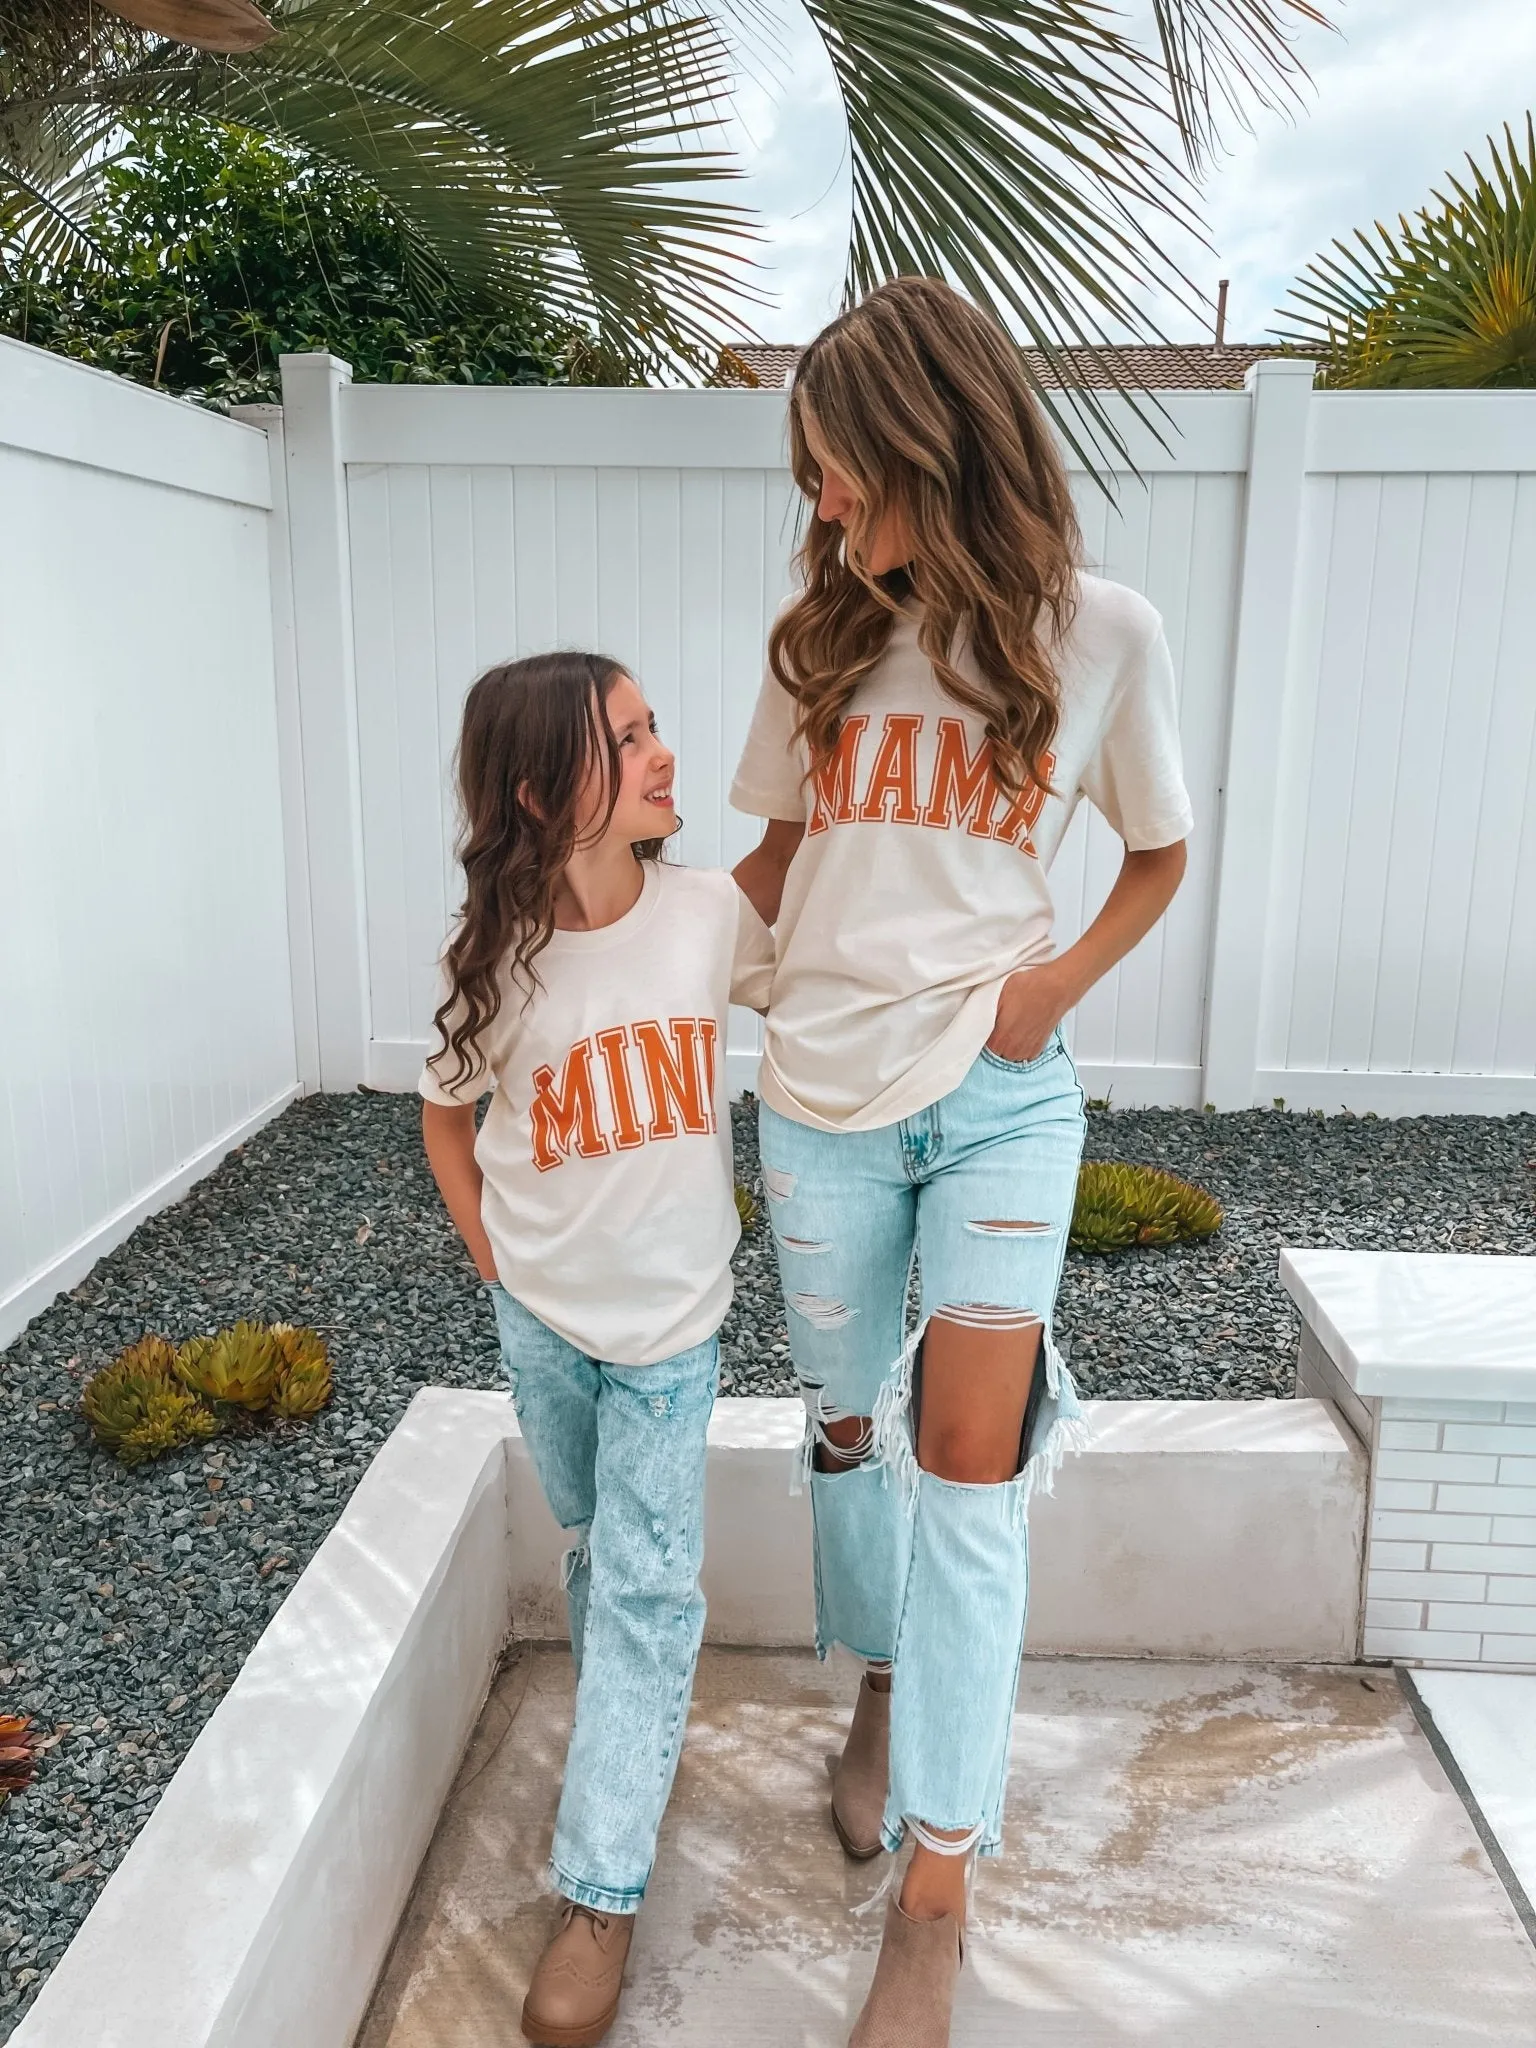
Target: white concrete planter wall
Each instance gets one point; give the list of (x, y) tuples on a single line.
[(1432, 1358), (257, 1905)]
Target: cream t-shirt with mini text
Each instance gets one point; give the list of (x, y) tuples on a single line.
[(919, 887), (609, 1197)]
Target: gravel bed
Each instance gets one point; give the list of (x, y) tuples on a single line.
[(128, 1600)]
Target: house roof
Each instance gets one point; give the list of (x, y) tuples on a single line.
[(1172, 366)]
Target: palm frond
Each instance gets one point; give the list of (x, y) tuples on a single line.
[(536, 146), (1446, 300), (1226, 56)]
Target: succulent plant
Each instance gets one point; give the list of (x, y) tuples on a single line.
[(1118, 1206), (237, 1367), (303, 1384), (172, 1417), (136, 1407), (746, 1205), (18, 1754)]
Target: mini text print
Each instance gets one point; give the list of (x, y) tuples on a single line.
[(593, 1105)]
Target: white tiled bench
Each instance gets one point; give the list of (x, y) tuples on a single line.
[(1431, 1358)]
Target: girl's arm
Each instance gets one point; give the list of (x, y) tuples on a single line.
[(449, 1136), (760, 875), (1034, 1001)]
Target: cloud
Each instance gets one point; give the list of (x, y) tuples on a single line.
[(1399, 95)]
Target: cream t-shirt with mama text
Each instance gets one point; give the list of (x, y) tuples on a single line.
[(919, 887), (609, 1198)]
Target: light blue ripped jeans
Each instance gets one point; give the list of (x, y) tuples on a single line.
[(925, 1573), (619, 1450)]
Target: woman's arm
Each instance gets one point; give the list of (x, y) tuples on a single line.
[(449, 1136), (760, 876), (1034, 1001)]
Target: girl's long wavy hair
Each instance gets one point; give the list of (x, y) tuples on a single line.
[(531, 731), (922, 402)]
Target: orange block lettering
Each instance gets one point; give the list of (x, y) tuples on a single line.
[(963, 791), (833, 781), (1023, 814), (675, 1077), (894, 772), (564, 1115), (627, 1133), (709, 1031)]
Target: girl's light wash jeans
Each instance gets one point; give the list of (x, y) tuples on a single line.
[(924, 1573), (619, 1450)]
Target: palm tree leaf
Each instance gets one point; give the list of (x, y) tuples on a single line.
[(535, 146), (1446, 300), (1228, 55)]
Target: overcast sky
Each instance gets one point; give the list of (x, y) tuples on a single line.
[(1398, 96)]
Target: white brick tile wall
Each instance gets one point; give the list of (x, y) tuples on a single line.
[(1437, 1645), (1398, 1527), (1394, 1613), (1472, 1586), (1451, 1569), (1509, 1650), (1503, 1437), (1472, 1500), (1474, 1557), (1488, 1618), (1404, 1557), (1463, 1468), (1416, 1436), (1399, 1407), (1412, 1493)]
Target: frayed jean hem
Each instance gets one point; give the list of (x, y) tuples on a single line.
[(595, 1897)]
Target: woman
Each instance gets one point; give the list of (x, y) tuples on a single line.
[(939, 693)]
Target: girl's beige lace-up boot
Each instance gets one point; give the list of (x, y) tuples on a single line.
[(574, 1996)]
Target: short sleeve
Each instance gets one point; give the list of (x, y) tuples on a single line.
[(770, 777), (1135, 774), (753, 962), (432, 1086)]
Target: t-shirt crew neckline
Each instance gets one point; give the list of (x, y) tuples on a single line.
[(565, 940)]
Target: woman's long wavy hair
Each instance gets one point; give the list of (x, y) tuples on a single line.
[(922, 402), (531, 731)]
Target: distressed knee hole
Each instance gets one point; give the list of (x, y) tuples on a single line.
[(780, 1185), (807, 1247), (821, 1311), (660, 1404), (842, 1442), (988, 1315), (1007, 1226)]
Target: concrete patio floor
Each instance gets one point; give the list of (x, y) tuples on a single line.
[(1198, 1855)]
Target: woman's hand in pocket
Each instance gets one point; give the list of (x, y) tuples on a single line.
[(1030, 1005)]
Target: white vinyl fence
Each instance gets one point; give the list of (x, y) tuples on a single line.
[(1349, 586), (231, 671), (145, 1012)]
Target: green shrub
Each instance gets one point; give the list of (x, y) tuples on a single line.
[(221, 250), (1118, 1206)]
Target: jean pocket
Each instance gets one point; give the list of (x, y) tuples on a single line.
[(1051, 1050)]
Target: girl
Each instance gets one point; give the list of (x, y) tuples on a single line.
[(586, 985), (939, 694)]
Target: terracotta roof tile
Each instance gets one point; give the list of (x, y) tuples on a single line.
[(1173, 366)]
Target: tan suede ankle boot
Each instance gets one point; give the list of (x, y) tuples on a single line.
[(574, 1996), (913, 1992), (862, 1774)]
